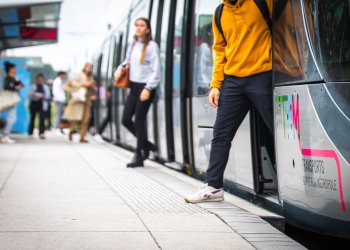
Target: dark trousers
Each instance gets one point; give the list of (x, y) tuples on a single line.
[(48, 117), (36, 108), (137, 109), (106, 120), (237, 95)]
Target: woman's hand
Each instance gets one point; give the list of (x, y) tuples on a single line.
[(117, 74), (39, 95), (214, 97), (87, 84), (145, 95)]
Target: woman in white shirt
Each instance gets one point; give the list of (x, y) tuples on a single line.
[(144, 74)]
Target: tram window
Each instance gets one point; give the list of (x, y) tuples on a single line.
[(203, 41), (104, 73), (331, 23), (163, 45), (292, 57), (154, 17), (177, 48)]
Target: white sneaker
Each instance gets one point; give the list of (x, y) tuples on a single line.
[(206, 194), (6, 139), (98, 138)]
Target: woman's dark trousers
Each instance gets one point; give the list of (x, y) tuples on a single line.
[(138, 110)]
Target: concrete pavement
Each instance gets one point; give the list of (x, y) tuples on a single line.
[(56, 194)]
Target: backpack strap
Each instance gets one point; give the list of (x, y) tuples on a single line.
[(279, 8), (262, 5), (218, 14), (264, 12)]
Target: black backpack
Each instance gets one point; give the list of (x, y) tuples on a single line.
[(261, 5)]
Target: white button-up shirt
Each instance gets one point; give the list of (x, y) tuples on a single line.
[(58, 91)]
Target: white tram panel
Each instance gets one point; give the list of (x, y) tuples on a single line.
[(308, 173)]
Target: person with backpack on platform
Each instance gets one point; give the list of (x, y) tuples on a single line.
[(242, 78)]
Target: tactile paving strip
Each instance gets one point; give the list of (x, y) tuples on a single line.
[(145, 195)]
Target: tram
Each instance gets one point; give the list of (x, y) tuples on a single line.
[(301, 171)]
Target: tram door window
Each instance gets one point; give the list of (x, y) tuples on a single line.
[(110, 90), (152, 118), (330, 21), (161, 104), (97, 74), (155, 22), (176, 105), (102, 87), (293, 62), (203, 116), (117, 97)]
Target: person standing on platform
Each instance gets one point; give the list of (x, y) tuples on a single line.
[(241, 79), (59, 97), (79, 105), (13, 84), (39, 96), (145, 72)]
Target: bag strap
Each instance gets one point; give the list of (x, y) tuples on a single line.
[(264, 10), (218, 14), (279, 8), (262, 5)]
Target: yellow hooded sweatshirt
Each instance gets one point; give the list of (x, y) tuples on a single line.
[(248, 48)]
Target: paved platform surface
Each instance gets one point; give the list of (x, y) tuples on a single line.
[(56, 194)]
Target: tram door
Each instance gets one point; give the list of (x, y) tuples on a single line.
[(97, 76), (177, 98), (102, 87), (115, 92), (156, 21), (162, 99), (249, 164)]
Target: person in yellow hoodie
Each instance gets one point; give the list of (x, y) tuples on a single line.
[(242, 78)]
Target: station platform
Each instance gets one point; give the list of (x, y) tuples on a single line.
[(56, 194)]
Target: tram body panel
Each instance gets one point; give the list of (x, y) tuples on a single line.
[(126, 138), (239, 167), (312, 174), (161, 127), (150, 131), (203, 118)]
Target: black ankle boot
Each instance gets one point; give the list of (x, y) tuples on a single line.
[(144, 154), (137, 161), (151, 147)]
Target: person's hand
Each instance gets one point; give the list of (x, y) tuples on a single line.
[(19, 86), (88, 84), (39, 95), (214, 97), (117, 74), (145, 95)]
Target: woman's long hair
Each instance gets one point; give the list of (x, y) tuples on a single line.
[(84, 69), (8, 66), (146, 39)]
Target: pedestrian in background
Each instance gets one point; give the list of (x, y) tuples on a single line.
[(59, 97), (143, 60), (79, 105), (13, 84), (39, 96)]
